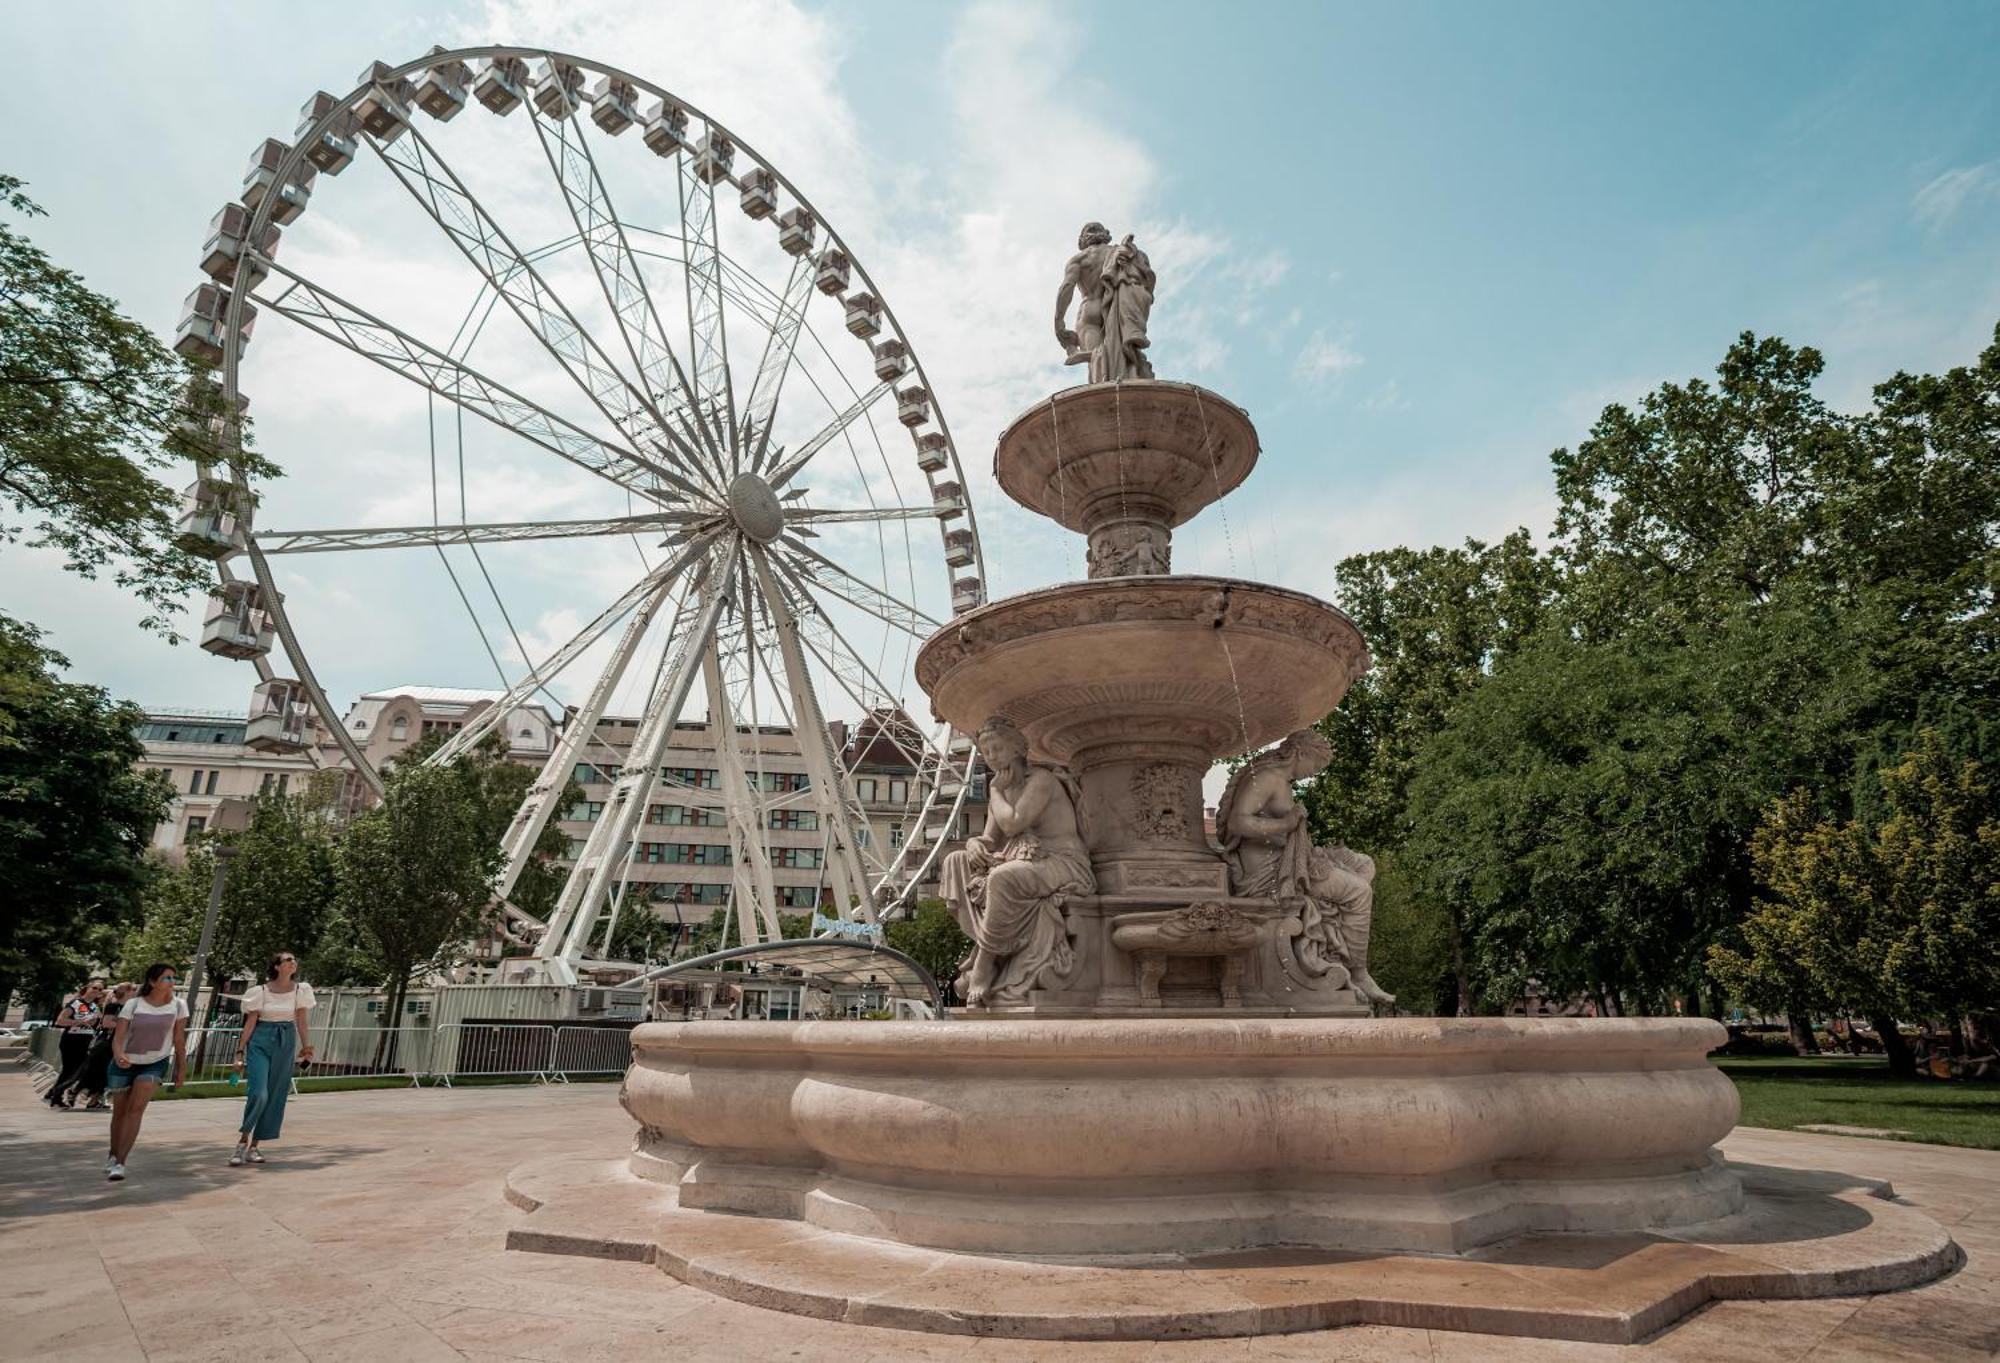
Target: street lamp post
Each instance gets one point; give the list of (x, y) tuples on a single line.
[(222, 853)]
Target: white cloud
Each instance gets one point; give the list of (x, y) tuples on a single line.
[(1941, 198), (1324, 360)]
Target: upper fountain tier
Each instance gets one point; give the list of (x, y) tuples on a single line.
[(1124, 463)]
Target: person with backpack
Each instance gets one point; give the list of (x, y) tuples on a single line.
[(151, 1026), (78, 1023)]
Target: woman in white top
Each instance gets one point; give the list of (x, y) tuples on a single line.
[(151, 1026), (275, 1037)]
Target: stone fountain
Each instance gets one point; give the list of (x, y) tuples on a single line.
[(1168, 1048)]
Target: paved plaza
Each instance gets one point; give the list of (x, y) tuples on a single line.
[(376, 1233)]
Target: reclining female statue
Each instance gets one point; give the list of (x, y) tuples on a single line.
[(1271, 855)]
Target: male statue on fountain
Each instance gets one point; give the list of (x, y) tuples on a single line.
[(1271, 855), (1008, 886), (1117, 286)]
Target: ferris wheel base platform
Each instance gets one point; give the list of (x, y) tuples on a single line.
[(1205, 1178)]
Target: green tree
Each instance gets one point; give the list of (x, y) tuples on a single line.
[(76, 815), (933, 939), (415, 872), (1436, 622), (278, 893), (92, 407), (1887, 920)]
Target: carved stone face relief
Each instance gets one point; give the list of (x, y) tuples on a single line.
[(1159, 803)]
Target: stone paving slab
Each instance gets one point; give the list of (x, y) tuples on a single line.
[(378, 1231)]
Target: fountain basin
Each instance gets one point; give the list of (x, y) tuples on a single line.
[(1211, 665), (1109, 1137)]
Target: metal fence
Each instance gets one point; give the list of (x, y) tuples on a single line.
[(533, 1052)]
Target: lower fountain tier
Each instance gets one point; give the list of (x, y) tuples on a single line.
[(1169, 1135)]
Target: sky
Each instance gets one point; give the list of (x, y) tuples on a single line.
[(1423, 245)]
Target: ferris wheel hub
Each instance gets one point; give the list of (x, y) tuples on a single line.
[(754, 507)]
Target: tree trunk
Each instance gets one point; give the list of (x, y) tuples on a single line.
[(1461, 976), (1800, 1027), (1902, 1060)]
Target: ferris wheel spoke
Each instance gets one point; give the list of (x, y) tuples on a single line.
[(539, 676), (829, 576), (872, 695), (609, 845), (502, 532), (788, 469), (328, 315), (465, 221), (809, 723), (859, 515), (532, 818), (779, 347), (604, 241), (708, 342)]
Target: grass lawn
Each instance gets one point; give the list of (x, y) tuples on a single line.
[(1788, 1092)]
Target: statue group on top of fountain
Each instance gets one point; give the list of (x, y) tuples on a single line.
[(1116, 281)]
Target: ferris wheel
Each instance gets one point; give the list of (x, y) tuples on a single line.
[(688, 385)]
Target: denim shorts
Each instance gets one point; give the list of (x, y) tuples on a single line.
[(124, 1076)]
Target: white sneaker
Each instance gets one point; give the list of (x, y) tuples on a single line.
[(109, 1161), (236, 1157), (115, 1172)]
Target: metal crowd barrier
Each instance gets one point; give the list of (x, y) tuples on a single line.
[(536, 1052)]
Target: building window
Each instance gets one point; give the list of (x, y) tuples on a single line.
[(862, 837), (865, 789), (173, 735), (194, 781), (399, 730), (264, 786), (195, 824), (798, 820), (209, 789), (895, 836), (698, 778), (798, 896), (284, 779), (797, 858), (899, 792), (585, 811)]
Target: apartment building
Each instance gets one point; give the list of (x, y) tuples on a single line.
[(214, 773), (682, 858)]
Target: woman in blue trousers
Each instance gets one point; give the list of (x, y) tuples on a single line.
[(274, 1035)]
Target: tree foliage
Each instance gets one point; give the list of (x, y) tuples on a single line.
[(415, 872), (76, 815), (278, 892), (1879, 920), (90, 412), (1567, 756), (933, 939)]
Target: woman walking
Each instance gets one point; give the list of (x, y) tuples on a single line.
[(151, 1026), (78, 1024), (97, 1069), (274, 1032)]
